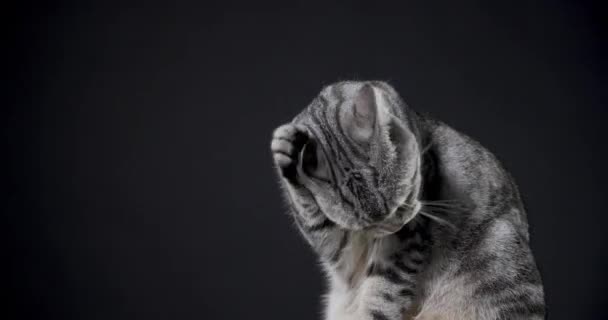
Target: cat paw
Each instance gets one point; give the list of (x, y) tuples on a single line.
[(287, 142)]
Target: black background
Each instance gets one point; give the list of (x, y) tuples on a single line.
[(139, 182)]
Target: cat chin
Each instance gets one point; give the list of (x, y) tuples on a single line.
[(346, 222), (394, 221), (383, 230)]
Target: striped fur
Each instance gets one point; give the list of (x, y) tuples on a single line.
[(410, 218)]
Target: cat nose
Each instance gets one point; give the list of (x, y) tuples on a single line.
[(376, 216), (373, 207), (376, 213)]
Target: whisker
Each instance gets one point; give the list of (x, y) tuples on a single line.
[(407, 205), (426, 148), (445, 208), (450, 204), (445, 201), (438, 220), (442, 210), (441, 205)]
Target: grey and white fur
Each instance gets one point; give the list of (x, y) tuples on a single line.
[(410, 219)]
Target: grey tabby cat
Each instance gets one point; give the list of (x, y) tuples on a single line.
[(410, 218)]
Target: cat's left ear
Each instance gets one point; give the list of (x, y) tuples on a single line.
[(394, 133), (402, 139)]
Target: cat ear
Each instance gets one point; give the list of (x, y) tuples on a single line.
[(359, 119), (404, 146)]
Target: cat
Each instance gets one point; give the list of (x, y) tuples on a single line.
[(410, 219)]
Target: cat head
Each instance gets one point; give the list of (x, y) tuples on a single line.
[(362, 162)]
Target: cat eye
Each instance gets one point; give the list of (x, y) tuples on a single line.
[(314, 162)]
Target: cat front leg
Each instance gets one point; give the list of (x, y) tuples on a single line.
[(381, 295), (378, 278), (324, 236)]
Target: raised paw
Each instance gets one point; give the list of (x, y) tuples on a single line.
[(287, 142)]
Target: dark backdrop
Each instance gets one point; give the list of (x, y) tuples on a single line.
[(139, 182)]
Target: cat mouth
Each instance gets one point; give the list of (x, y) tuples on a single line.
[(383, 230)]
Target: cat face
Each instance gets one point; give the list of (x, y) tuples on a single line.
[(362, 160)]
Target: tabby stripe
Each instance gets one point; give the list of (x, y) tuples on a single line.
[(388, 273), (384, 201), (324, 135), (537, 309), (322, 227), (493, 287), (388, 297), (333, 162), (333, 137), (475, 263), (406, 292), (467, 244), (329, 158), (346, 199), (323, 125), (324, 224), (377, 184), (332, 165), (301, 221), (415, 246), (378, 315), (353, 148), (520, 302), (500, 284), (416, 260), (405, 268), (314, 205)]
